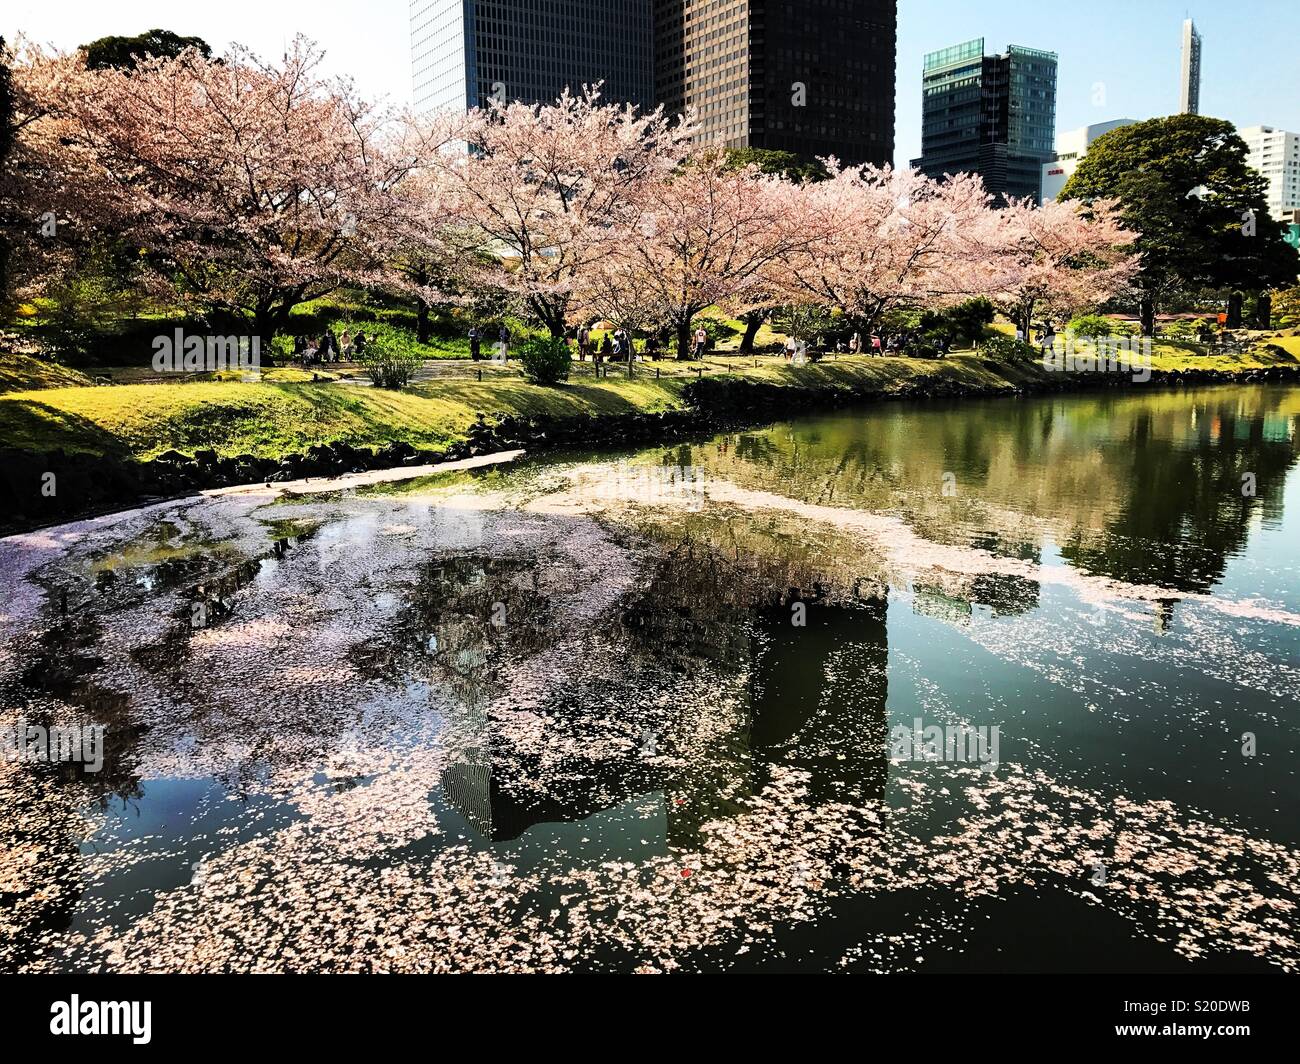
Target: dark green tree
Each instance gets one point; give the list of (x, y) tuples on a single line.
[(122, 52), (1200, 211), (784, 163)]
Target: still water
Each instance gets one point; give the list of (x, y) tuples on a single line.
[(665, 710)]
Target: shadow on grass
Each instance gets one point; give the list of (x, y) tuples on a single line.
[(40, 426)]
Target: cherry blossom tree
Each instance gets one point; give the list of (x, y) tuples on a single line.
[(1061, 258), (44, 179), (545, 186), (703, 236), (250, 187), (877, 239)]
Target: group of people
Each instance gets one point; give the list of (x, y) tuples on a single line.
[(329, 348), (615, 346), (502, 352)]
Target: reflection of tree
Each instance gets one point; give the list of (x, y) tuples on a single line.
[(1185, 513), (1141, 486)]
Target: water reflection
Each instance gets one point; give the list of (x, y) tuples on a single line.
[(1143, 488), (526, 723)]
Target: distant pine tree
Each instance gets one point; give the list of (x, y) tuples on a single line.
[(122, 52)]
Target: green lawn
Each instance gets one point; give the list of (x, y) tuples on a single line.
[(287, 412)]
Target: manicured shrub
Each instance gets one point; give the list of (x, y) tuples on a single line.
[(1008, 349), (390, 365), (1090, 326), (545, 359)]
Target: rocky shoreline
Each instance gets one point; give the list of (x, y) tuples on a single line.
[(85, 485)]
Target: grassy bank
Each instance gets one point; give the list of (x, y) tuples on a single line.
[(273, 417)]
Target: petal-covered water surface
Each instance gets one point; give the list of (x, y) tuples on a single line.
[(992, 686)]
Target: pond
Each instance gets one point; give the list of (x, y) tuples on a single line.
[(992, 686)]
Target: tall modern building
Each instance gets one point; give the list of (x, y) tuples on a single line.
[(1275, 153), (1070, 149), (1190, 103), (814, 77), (464, 52), (991, 115)]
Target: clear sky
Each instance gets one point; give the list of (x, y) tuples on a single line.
[(1122, 52)]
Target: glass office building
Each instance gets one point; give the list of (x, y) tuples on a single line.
[(814, 77), (466, 51), (990, 115)]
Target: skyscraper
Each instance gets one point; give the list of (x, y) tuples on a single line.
[(990, 115), (1275, 153), (465, 52), (1191, 95), (815, 77)]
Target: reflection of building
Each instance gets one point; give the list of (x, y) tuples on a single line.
[(999, 594), (814, 77), (1275, 154), (464, 52), (1190, 101), (992, 115), (816, 700), (818, 696), (1071, 147)]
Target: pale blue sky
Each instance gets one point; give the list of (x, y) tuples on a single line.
[(1251, 73)]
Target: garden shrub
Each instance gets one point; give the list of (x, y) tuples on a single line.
[(1090, 326), (1008, 349), (545, 359), (389, 365)]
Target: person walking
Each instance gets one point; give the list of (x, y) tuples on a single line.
[(855, 344), (475, 343), (790, 348), (503, 340), (701, 342), (584, 343)]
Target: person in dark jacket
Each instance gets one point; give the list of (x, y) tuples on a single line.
[(475, 342)]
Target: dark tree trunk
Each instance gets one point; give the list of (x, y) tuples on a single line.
[(1027, 321), (550, 313), (753, 322), (1147, 314), (683, 340), (1234, 310), (423, 331), (1264, 311)]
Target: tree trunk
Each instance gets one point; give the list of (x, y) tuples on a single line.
[(683, 340), (1027, 320), (753, 322), (1234, 310), (1147, 314), (1264, 311), (420, 275)]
